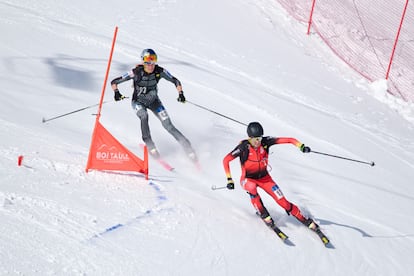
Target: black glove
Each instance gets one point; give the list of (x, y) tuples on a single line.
[(181, 97), (230, 183), (305, 149), (118, 96)]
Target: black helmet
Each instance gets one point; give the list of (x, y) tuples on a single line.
[(149, 55), (254, 129)]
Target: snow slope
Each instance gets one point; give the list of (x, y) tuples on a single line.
[(244, 59)]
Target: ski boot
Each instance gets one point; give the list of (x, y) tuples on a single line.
[(154, 153), (193, 157), (315, 227), (311, 224), (267, 218)]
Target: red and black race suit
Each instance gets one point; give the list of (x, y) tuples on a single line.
[(254, 161)]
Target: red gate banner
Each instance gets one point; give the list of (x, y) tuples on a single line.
[(107, 153)]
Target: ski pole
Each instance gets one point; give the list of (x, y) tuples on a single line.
[(63, 115), (349, 159), (78, 110), (214, 187), (217, 113)]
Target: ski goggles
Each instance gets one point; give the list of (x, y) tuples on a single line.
[(149, 59)]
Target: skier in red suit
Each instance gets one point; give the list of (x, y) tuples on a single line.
[(253, 153)]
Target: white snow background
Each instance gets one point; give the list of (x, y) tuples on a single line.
[(245, 59)]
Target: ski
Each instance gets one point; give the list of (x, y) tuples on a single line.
[(160, 161), (279, 233), (323, 238), (283, 237), (164, 164), (311, 225)]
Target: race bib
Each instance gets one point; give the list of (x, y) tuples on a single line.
[(277, 192)]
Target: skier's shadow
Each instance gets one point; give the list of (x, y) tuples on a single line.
[(363, 233), (327, 222)]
